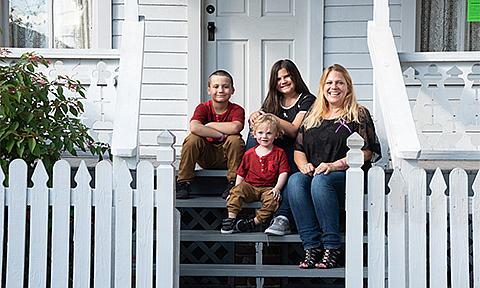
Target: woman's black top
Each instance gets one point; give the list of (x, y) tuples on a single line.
[(303, 103), (328, 142)]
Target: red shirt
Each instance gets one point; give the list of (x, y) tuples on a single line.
[(205, 113), (263, 171)]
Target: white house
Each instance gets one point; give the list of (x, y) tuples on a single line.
[(412, 62)]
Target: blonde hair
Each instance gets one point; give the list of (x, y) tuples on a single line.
[(320, 107), (267, 120)]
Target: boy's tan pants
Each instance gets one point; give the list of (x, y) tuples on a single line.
[(208, 155), (246, 193)]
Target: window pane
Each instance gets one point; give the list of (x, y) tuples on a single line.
[(438, 25), (71, 24), (28, 23), (474, 39)]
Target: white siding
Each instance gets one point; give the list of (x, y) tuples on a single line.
[(345, 40), (164, 90)]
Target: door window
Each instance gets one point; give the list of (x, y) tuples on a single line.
[(444, 27)]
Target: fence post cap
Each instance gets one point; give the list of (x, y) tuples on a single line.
[(355, 141), (166, 138)]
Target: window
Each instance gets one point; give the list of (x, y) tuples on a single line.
[(444, 27), (55, 24)]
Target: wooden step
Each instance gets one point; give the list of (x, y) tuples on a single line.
[(208, 202), (217, 236), (252, 270)]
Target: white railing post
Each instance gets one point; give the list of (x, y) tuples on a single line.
[(381, 14), (168, 230), (354, 211)]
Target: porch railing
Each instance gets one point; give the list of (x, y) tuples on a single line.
[(444, 92), (428, 237), (87, 232)]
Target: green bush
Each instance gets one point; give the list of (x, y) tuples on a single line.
[(38, 117)]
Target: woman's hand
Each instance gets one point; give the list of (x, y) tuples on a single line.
[(254, 116), (324, 168), (307, 169), (276, 194)]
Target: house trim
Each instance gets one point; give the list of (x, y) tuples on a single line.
[(409, 21), (194, 52), (315, 43), (102, 17), (68, 53)]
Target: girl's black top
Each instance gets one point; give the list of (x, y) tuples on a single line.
[(303, 103)]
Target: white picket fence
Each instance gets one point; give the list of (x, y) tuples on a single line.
[(106, 222), (425, 240)]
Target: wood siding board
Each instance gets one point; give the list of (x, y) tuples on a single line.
[(164, 121), (177, 76), (164, 91), (165, 60), (163, 2), (354, 29), (152, 107), (176, 44), (350, 61), (356, 13), (354, 2)]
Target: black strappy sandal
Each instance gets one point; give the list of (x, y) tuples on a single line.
[(332, 258), (311, 257)]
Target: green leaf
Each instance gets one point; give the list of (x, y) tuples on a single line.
[(30, 67), (20, 150), (9, 145), (32, 143)]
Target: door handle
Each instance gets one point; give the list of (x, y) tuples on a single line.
[(211, 31)]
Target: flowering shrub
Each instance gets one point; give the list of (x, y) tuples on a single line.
[(38, 120)]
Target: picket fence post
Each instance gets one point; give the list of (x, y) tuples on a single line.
[(37, 271), (459, 248), (376, 227), (417, 221), (2, 217), (144, 240), (168, 238), (354, 213), (123, 202), (476, 230), (103, 224), (16, 223), (396, 231), (60, 223), (438, 231)]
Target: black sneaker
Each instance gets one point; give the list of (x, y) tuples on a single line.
[(183, 190), (246, 225), (228, 225), (229, 187)]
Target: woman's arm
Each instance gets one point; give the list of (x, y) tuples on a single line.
[(303, 165), (340, 164)]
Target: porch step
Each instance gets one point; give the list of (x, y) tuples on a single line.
[(209, 202), (252, 237), (252, 270)]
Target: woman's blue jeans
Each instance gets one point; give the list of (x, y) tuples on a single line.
[(315, 203), (284, 208)]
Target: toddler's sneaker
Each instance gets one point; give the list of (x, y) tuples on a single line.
[(228, 226), (279, 226), (246, 225)]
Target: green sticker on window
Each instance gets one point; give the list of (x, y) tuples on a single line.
[(473, 11)]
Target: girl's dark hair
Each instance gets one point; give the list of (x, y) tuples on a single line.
[(273, 100)]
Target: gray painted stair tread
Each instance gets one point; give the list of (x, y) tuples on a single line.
[(216, 236), (208, 202), (251, 270)]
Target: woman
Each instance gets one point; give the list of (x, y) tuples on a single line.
[(315, 193), (288, 99)]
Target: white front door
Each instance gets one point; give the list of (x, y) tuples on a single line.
[(249, 36)]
